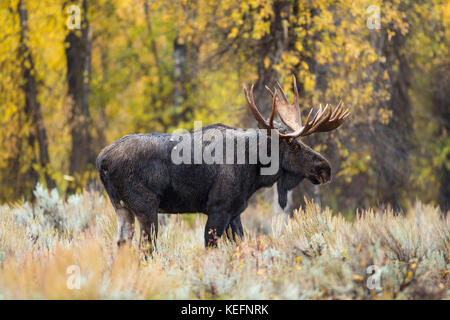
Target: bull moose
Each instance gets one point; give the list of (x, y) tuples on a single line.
[(141, 178)]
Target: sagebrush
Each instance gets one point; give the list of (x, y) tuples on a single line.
[(314, 255)]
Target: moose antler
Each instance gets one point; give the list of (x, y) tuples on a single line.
[(290, 114)]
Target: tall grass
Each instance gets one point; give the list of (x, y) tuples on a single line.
[(315, 255)]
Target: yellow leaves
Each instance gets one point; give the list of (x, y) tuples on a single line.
[(236, 16), (308, 80), (26, 64), (9, 110), (353, 163), (324, 21), (371, 56), (321, 147), (260, 28), (186, 33), (290, 60), (299, 46), (324, 55), (446, 12), (394, 17), (384, 115), (305, 65), (155, 5), (343, 153), (244, 6), (408, 276), (233, 33), (357, 277)]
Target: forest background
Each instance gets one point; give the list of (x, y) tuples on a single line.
[(76, 75)]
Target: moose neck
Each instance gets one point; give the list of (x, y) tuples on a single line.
[(285, 180), (267, 180)]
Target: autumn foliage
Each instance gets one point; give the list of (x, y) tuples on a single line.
[(148, 65)]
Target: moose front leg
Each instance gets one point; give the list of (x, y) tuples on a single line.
[(215, 226), (236, 231)]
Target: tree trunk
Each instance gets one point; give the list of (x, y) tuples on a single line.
[(271, 48), (185, 69), (32, 107), (296, 198), (179, 78), (441, 115), (392, 141), (78, 55)]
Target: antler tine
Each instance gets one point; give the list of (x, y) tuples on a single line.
[(308, 124), (316, 121), (268, 89), (342, 115), (259, 118), (346, 114), (318, 114), (272, 114), (254, 109), (295, 92), (334, 118), (337, 111), (323, 120), (294, 80), (282, 92)]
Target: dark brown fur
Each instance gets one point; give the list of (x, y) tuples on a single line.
[(140, 179)]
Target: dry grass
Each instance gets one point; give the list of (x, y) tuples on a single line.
[(315, 255)]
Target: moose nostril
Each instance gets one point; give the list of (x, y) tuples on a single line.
[(324, 173)]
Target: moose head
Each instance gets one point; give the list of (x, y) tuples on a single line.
[(298, 161)]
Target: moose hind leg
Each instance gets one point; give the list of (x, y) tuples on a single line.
[(125, 225), (145, 207), (149, 231)]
